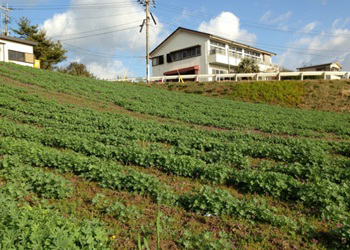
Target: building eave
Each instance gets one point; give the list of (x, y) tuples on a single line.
[(210, 36), (321, 65), (241, 44), (18, 40)]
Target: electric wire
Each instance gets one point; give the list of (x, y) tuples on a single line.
[(271, 46), (90, 31), (100, 34), (171, 8)]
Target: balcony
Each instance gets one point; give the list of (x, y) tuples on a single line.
[(219, 51), (219, 57)]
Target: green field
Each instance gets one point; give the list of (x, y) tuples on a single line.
[(87, 164)]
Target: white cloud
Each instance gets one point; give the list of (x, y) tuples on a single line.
[(280, 21), (309, 27), (266, 17), (322, 48), (108, 18), (340, 23), (282, 18), (109, 71), (227, 25), (28, 2)]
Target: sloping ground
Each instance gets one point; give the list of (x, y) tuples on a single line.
[(329, 95), (93, 164)]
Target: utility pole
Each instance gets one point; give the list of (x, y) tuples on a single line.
[(7, 18), (146, 22), (148, 69)]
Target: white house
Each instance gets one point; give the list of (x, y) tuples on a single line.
[(17, 51), (332, 66), (191, 52)]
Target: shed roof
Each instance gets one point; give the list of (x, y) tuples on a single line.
[(17, 40), (321, 65), (210, 36)]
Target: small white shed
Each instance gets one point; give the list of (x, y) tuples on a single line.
[(17, 51)]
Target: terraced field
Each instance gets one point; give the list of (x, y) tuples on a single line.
[(97, 165)]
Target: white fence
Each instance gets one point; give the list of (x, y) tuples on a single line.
[(251, 76)]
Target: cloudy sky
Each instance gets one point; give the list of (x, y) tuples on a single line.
[(104, 34)]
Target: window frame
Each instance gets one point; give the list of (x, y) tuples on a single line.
[(158, 60), (189, 52), (218, 71), (16, 56)]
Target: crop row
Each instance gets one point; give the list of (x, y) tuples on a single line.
[(26, 227), (308, 177), (227, 114), (121, 126), (48, 113), (190, 108), (281, 122), (164, 161), (337, 172), (44, 184), (128, 154), (109, 177), (329, 198), (232, 153), (106, 173)]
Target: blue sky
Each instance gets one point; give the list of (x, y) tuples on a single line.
[(103, 34)]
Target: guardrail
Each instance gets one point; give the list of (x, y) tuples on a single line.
[(236, 77)]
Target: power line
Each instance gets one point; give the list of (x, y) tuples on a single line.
[(81, 6), (273, 46), (99, 53), (88, 18), (171, 8), (90, 31), (104, 33)]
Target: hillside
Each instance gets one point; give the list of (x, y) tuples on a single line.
[(329, 95), (97, 165)]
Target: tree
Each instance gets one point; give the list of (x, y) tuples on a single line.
[(247, 65), (47, 51), (76, 69)]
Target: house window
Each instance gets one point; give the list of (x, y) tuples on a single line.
[(250, 53), (218, 71), (253, 55), (16, 56), (157, 60), (184, 54), (235, 51), (217, 48), (217, 44)]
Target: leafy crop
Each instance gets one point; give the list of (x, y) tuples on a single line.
[(45, 184), (278, 161)]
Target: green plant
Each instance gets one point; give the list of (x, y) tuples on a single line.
[(204, 240)]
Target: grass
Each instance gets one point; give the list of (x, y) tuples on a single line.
[(328, 95)]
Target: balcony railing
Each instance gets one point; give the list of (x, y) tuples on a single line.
[(218, 51), (235, 54)]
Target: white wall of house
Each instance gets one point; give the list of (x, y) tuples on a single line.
[(2, 53), (14, 46), (178, 41)]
